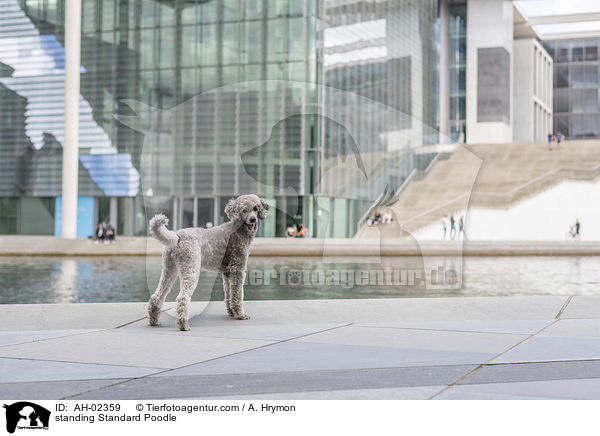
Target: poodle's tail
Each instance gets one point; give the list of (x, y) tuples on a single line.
[(159, 230)]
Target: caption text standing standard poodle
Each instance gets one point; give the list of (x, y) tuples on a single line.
[(223, 249)]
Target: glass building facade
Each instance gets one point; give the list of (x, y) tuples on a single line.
[(317, 105), (576, 87), (457, 30)]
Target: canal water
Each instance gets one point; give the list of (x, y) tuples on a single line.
[(132, 279)]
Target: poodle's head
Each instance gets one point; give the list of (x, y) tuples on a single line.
[(247, 209)]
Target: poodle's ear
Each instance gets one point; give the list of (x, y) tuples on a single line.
[(264, 208), (231, 210)]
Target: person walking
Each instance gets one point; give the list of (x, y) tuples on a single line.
[(452, 226), (559, 138), (444, 226), (550, 140), (461, 227)]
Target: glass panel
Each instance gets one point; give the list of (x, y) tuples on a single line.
[(591, 76), (205, 212), (125, 216), (561, 124), (577, 76), (591, 50), (37, 216), (561, 100), (561, 76), (562, 51), (8, 215), (577, 51), (584, 126), (187, 213), (584, 101)]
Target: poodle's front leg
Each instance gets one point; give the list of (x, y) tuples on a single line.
[(227, 292), (236, 294)]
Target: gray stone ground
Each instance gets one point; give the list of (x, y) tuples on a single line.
[(436, 348)]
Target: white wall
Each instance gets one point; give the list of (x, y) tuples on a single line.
[(532, 91), (489, 24)]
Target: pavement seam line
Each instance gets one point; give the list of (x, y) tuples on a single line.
[(54, 337), (441, 330), (562, 309), (127, 380), (470, 373), (79, 363)]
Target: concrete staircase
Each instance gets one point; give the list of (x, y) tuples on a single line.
[(489, 176)]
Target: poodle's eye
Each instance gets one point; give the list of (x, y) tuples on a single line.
[(245, 211), (255, 208)]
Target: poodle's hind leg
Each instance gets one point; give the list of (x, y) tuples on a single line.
[(227, 292), (189, 273), (167, 278), (236, 294)]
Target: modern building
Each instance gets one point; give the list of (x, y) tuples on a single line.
[(317, 105), (576, 86)]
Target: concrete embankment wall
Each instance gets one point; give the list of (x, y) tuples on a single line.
[(140, 246)]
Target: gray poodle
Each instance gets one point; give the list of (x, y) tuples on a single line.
[(223, 249)]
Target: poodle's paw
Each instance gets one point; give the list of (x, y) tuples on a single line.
[(154, 323), (242, 316), (184, 326)]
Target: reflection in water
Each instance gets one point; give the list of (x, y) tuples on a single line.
[(547, 216), (64, 287), (130, 279)]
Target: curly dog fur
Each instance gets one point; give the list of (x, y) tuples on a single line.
[(223, 249)]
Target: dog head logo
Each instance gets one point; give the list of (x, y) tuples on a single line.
[(26, 415)]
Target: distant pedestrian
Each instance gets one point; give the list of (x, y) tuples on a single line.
[(445, 225), (461, 227), (559, 138), (452, 226), (575, 230), (550, 140)]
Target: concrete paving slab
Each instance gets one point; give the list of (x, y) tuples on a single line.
[(271, 383), (51, 390), (26, 370), (549, 348), (69, 316), (492, 326), (582, 307), (239, 330), (20, 337), (300, 356), (387, 310), (116, 347), (521, 372), (413, 393), (416, 339), (581, 328), (581, 389)]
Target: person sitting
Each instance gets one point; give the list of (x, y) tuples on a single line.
[(100, 233), (110, 234)]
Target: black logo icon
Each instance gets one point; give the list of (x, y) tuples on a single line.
[(26, 415)]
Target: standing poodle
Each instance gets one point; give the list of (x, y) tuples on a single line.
[(223, 249)]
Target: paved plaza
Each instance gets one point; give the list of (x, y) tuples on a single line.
[(426, 348)]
